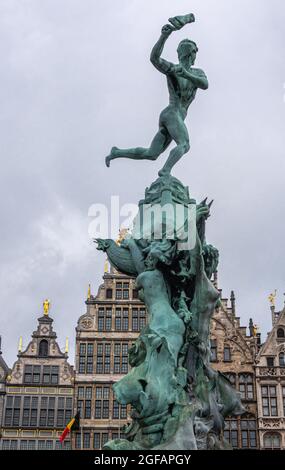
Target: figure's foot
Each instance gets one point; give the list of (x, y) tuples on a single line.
[(111, 156), (107, 161), (163, 172)]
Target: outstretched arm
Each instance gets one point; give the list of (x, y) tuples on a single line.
[(161, 64)]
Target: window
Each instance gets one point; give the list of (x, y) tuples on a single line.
[(109, 293), (104, 319), (138, 319), (96, 442), (119, 293), (269, 400), (78, 440), (282, 359), (12, 412), (84, 401), (28, 374), (58, 445), (116, 410), (108, 319), (30, 411), (16, 413), (60, 418), (24, 445), (10, 445), (86, 358), (246, 386), (231, 432), (101, 322), (120, 358), (68, 409), (49, 445), (227, 354), (50, 375), (103, 364), (32, 374), (86, 440), (47, 412), (280, 333), (14, 445), (142, 319), (125, 325), (6, 444), (102, 403), (105, 438), (135, 319), (122, 290), (270, 361), (272, 441), (43, 348), (214, 356), (118, 319), (283, 396), (119, 411), (248, 434)]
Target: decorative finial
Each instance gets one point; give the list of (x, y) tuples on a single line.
[(66, 346), (106, 266), (20, 345), (255, 330), (233, 302), (122, 235), (272, 298), (46, 306), (89, 292)]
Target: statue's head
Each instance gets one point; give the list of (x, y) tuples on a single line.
[(187, 49)]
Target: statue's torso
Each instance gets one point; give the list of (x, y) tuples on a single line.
[(182, 91)]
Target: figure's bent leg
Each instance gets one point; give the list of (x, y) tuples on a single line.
[(159, 144), (179, 133)]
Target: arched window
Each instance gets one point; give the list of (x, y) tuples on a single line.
[(246, 386), (280, 333), (43, 348), (282, 359), (272, 441)]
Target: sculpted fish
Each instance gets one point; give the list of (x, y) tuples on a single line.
[(118, 256)]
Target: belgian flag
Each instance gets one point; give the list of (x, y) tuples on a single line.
[(74, 424)]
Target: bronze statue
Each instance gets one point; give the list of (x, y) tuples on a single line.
[(183, 81)]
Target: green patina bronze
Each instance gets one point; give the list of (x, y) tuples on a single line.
[(183, 81), (179, 401)]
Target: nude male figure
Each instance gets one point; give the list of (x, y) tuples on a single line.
[(183, 81)]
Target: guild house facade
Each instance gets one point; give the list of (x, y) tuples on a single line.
[(270, 383), (39, 393)]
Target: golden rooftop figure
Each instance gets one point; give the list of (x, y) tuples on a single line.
[(272, 298), (46, 306)]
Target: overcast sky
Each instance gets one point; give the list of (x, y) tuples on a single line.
[(75, 80)]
